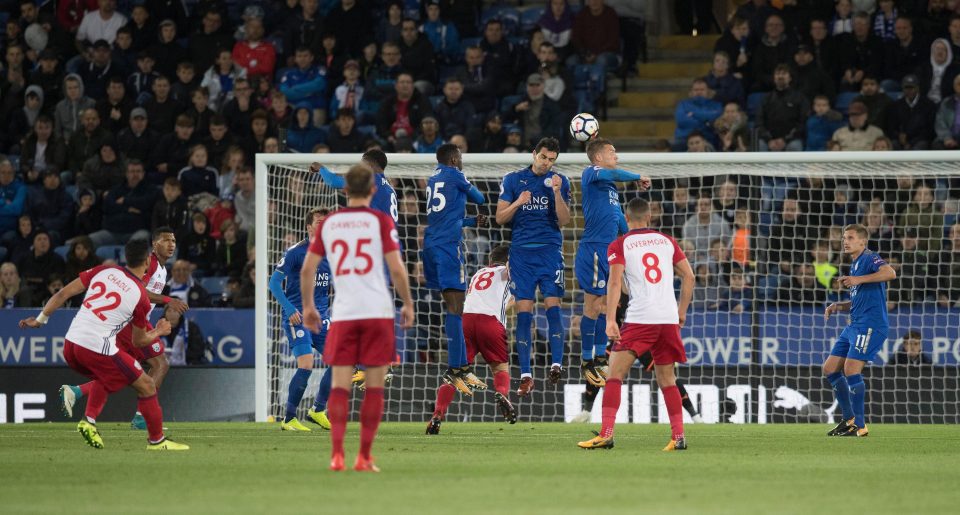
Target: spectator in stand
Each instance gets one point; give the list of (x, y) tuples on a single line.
[(557, 80), (418, 57), (697, 143), (823, 47), (331, 56), (788, 237), (937, 76), (19, 242), (596, 36), (197, 177), (732, 129), (303, 28), (280, 113), (97, 72), (401, 113), (70, 110), (723, 87), (21, 120), (254, 54), (349, 94), (230, 166), (220, 78), (88, 217), (902, 54), (677, 211), (51, 207), (478, 81), (104, 171), (877, 102), (740, 244), (350, 22), (302, 135), (811, 80), (238, 111), (501, 58), (858, 134), (556, 25), (171, 209), (200, 112), (948, 292), (122, 54), (172, 152), (734, 42), (183, 286), (162, 109), (860, 53), (86, 142), (954, 36), (42, 150), (443, 35), (305, 84), (802, 288), (822, 124), (210, 38), (100, 24), (884, 20), (382, 78), (430, 138), (219, 140), (696, 113), (492, 138), (259, 132), (782, 116), (220, 212), (774, 49), (231, 255), (197, 246), (537, 115), (114, 110), (81, 256), (925, 216), (185, 345), (141, 82), (842, 21), (142, 27), (389, 27), (911, 351), (946, 123), (245, 201), (455, 115), (167, 51), (49, 76), (933, 20), (36, 267), (14, 293), (13, 198), (246, 295), (70, 13), (344, 136), (127, 209), (910, 122), (705, 226), (915, 270)]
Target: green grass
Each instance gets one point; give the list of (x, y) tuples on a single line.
[(483, 468)]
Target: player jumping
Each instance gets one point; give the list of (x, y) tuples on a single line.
[(302, 343), (357, 240), (647, 260), (602, 217), (443, 266), (484, 329), (863, 338), (114, 298), (535, 203), (152, 356)]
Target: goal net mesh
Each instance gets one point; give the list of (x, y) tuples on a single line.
[(764, 239)]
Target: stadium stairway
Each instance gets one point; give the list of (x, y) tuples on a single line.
[(643, 114)]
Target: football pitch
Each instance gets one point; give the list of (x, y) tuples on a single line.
[(483, 468)]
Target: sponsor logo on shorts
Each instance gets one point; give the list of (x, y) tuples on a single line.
[(601, 284)]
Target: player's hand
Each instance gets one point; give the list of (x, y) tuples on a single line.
[(29, 323), (178, 305), (645, 183), (524, 197), (683, 317), (311, 320), (556, 182), (315, 167), (613, 331), (482, 221), (406, 316), (295, 318), (850, 281), (831, 309), (163, 327)]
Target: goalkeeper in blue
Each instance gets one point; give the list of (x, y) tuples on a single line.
[(603, 220), (285, 287), (863, 338), (448, 191), (535, 203)]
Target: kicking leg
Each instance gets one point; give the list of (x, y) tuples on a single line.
[(620, 363)]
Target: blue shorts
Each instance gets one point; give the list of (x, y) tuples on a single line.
[(591, 268), (444, 268), (303, 341), (860, 343), (536, 267)]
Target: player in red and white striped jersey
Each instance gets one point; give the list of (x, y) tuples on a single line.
[(485, 333), (152, 356), (357, 241), (115, 298), (648, 261)]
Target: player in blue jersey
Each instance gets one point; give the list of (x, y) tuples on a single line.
[(863, 338), (384, 198), (448, 191), (285, 287), (535, 203), (603, 220)]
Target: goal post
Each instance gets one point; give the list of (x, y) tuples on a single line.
[(755, 364)]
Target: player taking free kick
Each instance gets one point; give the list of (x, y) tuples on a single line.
[(648, 260), (357, 240)]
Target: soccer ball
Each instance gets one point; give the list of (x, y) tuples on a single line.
[(584, 127)]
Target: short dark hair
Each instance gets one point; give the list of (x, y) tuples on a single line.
[(913, 334), (303, 48), (136, 252), (595, 147), (446, 153), (322, 211), (549, 144), (160, 231), (116, 79), (376, 157), (499, 255), (218, 120), (638, 208), (857, 228), (359, 181), (172, 181), (134, 162)]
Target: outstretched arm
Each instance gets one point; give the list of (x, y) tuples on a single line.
[(75, 287), (329, 178), (163, 300)]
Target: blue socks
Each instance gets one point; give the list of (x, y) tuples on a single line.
[(587, 328), (600, 337), (555, 331), (456, 347), (841, 391), (858, 391), (524, 320), (323, 393), (295, 393)]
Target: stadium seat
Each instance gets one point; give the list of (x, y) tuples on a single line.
[(62, 251), (894, 95), (114, 252), (368, 130), (507, 102), (753, 104), (529, 18), (214, 285), (469, 42), (509, 16), (435, 101), (589, 88), (843, 101)]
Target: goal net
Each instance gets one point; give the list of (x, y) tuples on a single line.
[(763, 233)]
